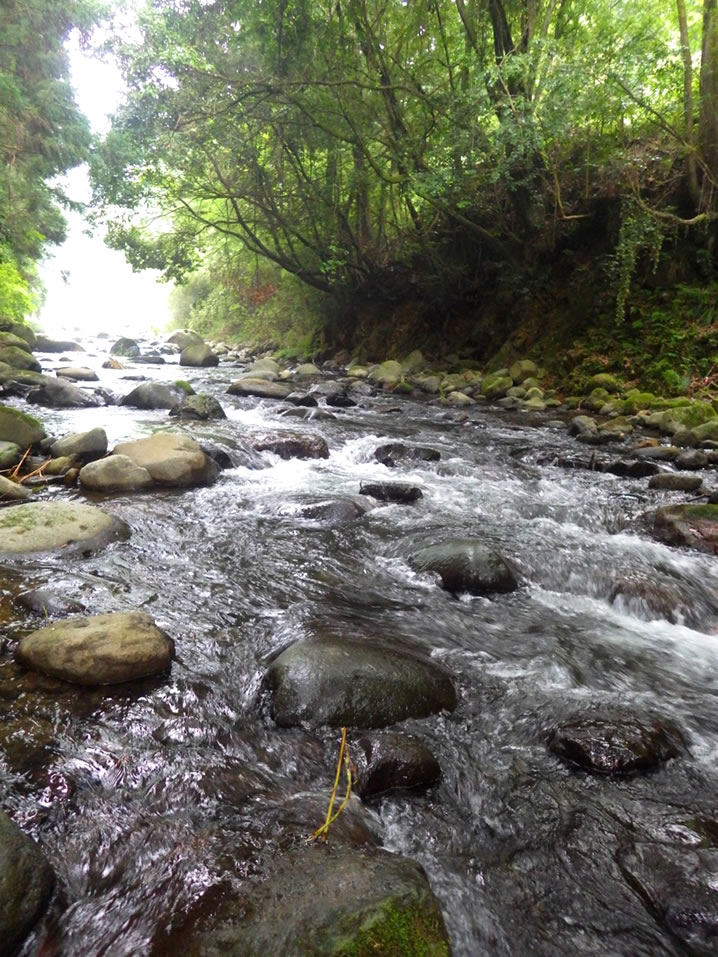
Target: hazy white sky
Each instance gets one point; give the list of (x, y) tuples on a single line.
[(91, 288)]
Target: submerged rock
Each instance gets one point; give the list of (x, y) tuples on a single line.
[(392, 761), (26, 882), (261, 388), (334, 512), (171, 459), (47, 526), (466, 565), (693, 526), (677, 886), (391, 492), (326, 901), (618, 745), (299, 445), (99, 649), (394, 453), (357, 683)]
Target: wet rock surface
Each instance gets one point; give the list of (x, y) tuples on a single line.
[(362, 684), (392, 762), (26, 882), (692, 526), (466, 565), (48, 526), (98, 650), (615, 745)]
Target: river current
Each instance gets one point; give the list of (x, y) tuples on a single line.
[(147, 796)]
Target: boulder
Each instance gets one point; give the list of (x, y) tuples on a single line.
[(18, 358), (389, 373), (523, 369), (152, 359), (692, 526), (10, 339), (327, 901), (460, 399), (153, 395), (335, 512), (616, 745), (116, 473), (354, 682), (26, 882), (10, 455), (84, 445), (172, 460), (261, 388), (306, 369), (45, 344), (49, 526), (397, 492), (676, 883), (495, 385), (303, 399), (691, 460), (184, 338), (391, 761), (198, 355), (58, 394), (125, 347), (413, 363), (603, 380), (265, 365), (299, 445), (582, 425), (12, 491), (19, 329), (201, 406), (340, 400), (98, 649), (19, 428), (395, 453), (466, 565), (675, 482), (77, 373)]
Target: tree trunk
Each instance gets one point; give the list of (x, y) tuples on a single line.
[(690, 136), (708, 119)]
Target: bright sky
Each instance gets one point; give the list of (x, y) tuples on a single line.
[(91, 288)]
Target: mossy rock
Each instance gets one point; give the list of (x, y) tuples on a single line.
[(50, 526), (18, 358), (603, 380), (523, 369), (596, 400), (388, 373), (613, 405), (184, 386), (635, 401), (572, 401), (19, 427), (8, 339), (692, 526), (495, 386), (329, 901), (19, 329)]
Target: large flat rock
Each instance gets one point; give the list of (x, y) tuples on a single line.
[(48, 526), (171, 459)]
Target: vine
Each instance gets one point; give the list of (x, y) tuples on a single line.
[(641, 233)]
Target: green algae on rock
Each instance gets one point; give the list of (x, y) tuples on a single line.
[(48, 526)]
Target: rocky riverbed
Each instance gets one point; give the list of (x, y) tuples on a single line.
[(211, 561)]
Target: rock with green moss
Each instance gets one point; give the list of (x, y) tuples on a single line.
[(26, 882), (202, 406), (454, 381), (531, 383), (9, 339), (634, 401), (707, 432), (328, 901), (413, 363), (50, 526), (10, 454), (523, 369), (20, 428), (603, 380), (496, 386), (19, 329), (18, 358), (389, 373), (430, 384), (459, 399), (534, 404), (198, 355), (596, 400), (618, 425), (185, 386), (691, 526), (617, 406), (688, 416)]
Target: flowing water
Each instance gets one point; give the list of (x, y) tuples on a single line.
[(148, 797)]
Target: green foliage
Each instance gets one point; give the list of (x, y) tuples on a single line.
[(641, 234), (17, 299)]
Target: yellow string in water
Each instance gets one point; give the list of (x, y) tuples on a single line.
[(342, 760)]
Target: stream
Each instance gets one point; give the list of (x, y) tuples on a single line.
[(145, 797)]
